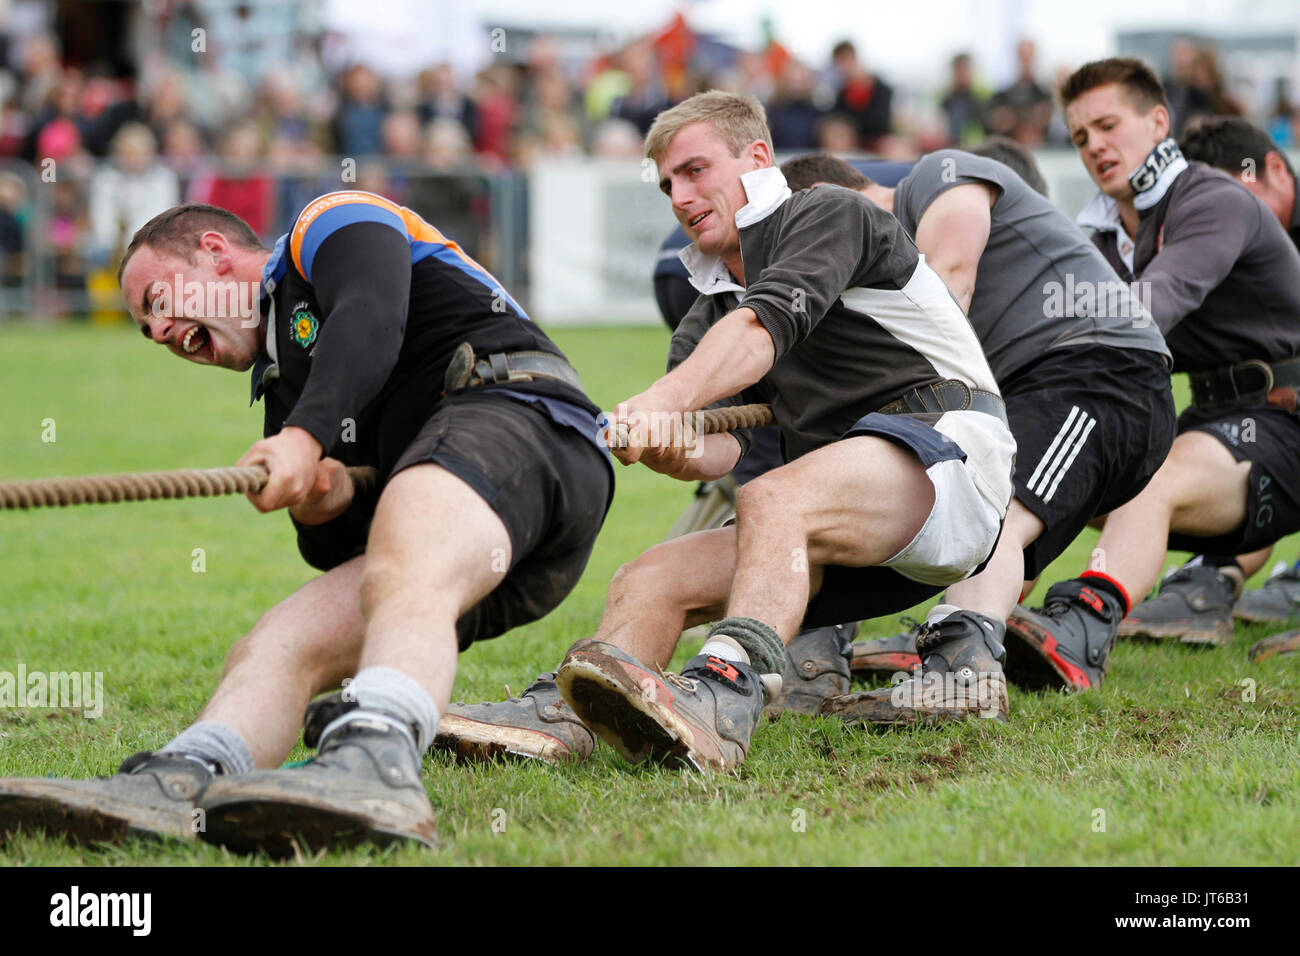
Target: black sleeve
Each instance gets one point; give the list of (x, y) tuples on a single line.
[(362, 278), (328, 545), (824, 246)]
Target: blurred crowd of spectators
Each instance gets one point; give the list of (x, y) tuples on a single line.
[(115, 152)]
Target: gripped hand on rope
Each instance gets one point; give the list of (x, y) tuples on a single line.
[(291, 456), (643, 433), (665, 441)]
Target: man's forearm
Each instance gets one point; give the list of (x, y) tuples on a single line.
[(731, 356), (718, 455)]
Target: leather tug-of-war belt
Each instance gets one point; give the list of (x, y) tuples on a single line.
[(949, 395), (502, 368), (1253, 380)]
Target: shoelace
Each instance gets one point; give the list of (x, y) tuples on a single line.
[(1057, 607), (541, 679), (688, 684)]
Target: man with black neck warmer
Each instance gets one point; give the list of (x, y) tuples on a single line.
[(1220, 273), (1247, 154)]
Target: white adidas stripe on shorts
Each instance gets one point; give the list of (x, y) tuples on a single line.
[(1060, 454)]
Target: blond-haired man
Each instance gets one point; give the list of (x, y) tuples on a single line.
[(898, 456)]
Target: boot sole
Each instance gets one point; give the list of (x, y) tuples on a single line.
[(475, 741), (1032, 661), (877, 709), (1288, 642), (1184, 633), (111, 821), (614, 706), (280, 828), (1258, 617)]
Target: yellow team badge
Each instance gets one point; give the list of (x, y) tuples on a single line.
[(305, 325)]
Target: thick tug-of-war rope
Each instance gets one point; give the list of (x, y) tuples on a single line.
[(145, 486), (207, 482), (713, 420)]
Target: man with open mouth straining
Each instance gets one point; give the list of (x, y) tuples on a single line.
[(373, 340)]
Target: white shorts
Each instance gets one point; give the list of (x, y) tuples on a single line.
[(969, 458)]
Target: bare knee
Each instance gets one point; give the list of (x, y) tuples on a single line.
[(1021, 527), (388, 583), (764, 498), (376, 585), (681, 574), (650, 573)]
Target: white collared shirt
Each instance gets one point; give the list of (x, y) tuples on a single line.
[(765, 190), (1102, 212)]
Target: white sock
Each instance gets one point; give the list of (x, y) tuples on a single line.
[(720, 645), (389, 691), (939, 612)]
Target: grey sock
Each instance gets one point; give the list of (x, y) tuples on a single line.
[(389, 691), (214, 743), (765, 649)]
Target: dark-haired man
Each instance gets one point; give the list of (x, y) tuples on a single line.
[(1221, 274), (373, 340), (1194, 602), (1247, 154), (1086, 386)]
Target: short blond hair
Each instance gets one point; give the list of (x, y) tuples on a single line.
[(739, 119)]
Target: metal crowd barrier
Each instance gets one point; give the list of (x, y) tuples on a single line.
[(52, 266)]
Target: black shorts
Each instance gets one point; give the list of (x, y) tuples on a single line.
[(545, 481), (1269, 438), (859, 594), (1092, 425)]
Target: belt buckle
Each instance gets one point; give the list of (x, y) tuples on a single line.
[(1251, 363), (460, 370)]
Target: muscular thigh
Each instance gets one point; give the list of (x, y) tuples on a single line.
[(525, 499), (1209, 485), (859, 500), (434, 535), (1241, 489)]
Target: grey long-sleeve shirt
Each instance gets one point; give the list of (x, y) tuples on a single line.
[(1040, 284), (1224, 276)]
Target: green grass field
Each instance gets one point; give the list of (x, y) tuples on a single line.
[(1171, 754)]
